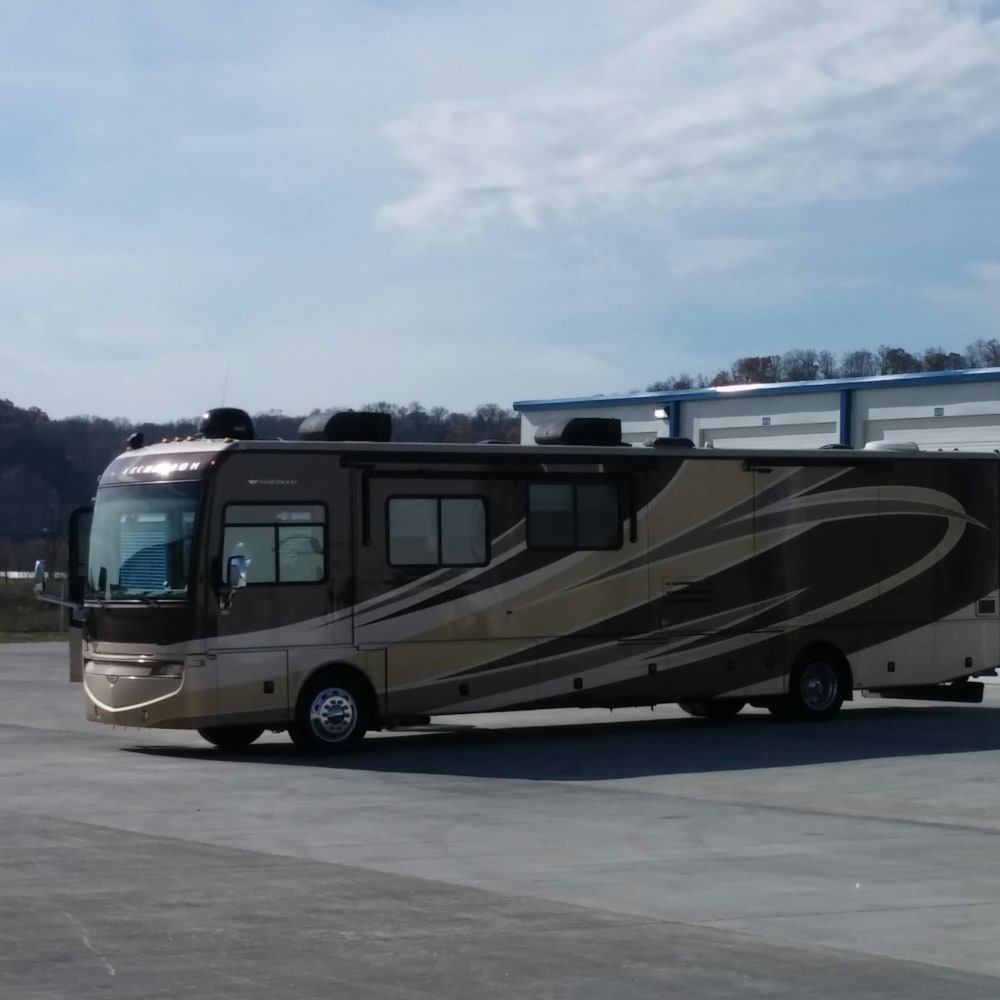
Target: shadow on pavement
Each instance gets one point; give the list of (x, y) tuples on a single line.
[(592, 751)]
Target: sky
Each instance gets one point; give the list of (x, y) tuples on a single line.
[(316, 203)]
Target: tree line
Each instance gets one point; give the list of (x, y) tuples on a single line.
[(807, 365), (49, 467)]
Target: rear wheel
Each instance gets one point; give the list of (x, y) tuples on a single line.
[(816, 689), (331, 715), (692, 708), (714, 708), (231, 737)]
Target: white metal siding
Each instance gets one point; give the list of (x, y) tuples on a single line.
[(800, 421), (965, 416)]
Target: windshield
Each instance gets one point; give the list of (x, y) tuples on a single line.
[(140, 541)]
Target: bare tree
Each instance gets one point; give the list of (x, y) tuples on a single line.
[(765, 368), (827, 365), (896, 361), (936, 359), (799, 365), (859, 364), (983, 353), (683, 381), (492, 421)]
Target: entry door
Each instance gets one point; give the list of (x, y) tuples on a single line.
[(251, 674), (287, 592)]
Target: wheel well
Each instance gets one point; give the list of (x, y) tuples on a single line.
[(827, 651), (360, 676)]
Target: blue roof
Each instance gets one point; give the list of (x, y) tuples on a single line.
[(767, 389)]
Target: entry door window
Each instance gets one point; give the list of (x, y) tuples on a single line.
[(281, 544)]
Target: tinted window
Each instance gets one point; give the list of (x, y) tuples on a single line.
[(437, 531), (574, 516)]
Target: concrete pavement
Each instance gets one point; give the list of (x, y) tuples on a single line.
[(542, 855)]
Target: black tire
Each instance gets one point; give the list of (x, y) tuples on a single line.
[(816, 689), (723, 708), (331, 715), (692, 708), (713, 708), (231, 737)]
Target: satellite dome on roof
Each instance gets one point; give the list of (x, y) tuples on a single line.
[(226, 422)]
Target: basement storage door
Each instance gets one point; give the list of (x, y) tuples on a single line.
[(438, 561)]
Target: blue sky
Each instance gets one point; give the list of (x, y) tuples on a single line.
[(335, 203)]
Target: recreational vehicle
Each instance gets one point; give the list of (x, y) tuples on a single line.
[(343, 582)]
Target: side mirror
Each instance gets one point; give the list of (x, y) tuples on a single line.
[(236, 572), (41, 571), (236, 579), (40, 574)]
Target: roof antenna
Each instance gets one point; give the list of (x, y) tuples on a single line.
[(225, 383)]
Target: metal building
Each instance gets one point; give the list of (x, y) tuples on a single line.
[(954, 410)]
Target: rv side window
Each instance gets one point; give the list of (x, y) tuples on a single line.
[(574, 516), (282, 543), (437, 531)]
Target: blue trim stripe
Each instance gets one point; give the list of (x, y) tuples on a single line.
[(916, 379)]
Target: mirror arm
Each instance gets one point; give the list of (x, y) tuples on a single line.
[(63, 602), (41, 571)]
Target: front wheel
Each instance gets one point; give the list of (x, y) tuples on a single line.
[(231, 737), (331, 715)]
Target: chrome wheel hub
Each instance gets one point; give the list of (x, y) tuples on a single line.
[(819, 686), (333, 714)]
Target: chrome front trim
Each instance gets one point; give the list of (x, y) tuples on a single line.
[(113, 693)]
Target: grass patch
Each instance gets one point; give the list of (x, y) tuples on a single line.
[(11, 637), (23, 616)]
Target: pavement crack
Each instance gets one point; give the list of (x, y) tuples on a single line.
[(85, 938)]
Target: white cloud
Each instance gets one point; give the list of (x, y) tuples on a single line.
[(737, 102), (987, 271), (979, 296), (718, 255), (185, 193)]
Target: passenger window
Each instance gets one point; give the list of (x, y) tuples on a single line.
[(585, 515), (437, 531)]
